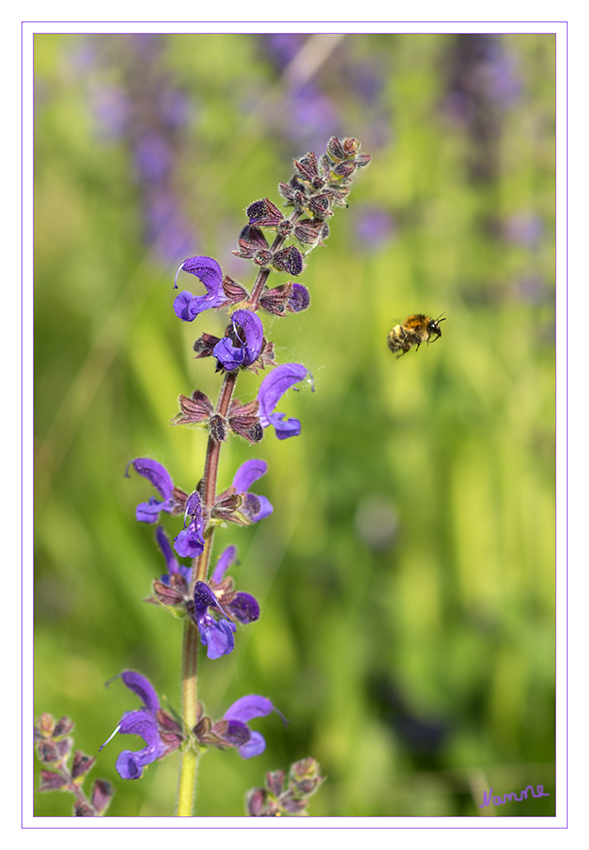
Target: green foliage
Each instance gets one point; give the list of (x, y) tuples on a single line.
[(453, 446)]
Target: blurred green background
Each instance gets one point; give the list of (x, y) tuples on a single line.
[(407, 574)]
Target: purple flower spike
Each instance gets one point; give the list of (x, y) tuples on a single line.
[(190, 542), (161, 480), (272, 388), (216, 635), (188, 306), (243, 346), (240, 713)]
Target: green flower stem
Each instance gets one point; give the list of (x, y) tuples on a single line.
[(190, 757)]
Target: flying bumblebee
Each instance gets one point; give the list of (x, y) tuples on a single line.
[(415, 330)]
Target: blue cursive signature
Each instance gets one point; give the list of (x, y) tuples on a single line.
[(497, 801)]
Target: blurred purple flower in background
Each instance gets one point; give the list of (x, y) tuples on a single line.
[(345, 83), (482, 83), (111, 109), (144, 111), (374, 227), (523, 229)]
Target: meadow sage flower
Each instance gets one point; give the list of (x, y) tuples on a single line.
[(188, 306), (271, 390), (216, 635), (244, 345), (190, 542), (159, 476), (249, 743), (149, 723), (254, 507)]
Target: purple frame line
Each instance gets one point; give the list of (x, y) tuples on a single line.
[(566, 408), (566, 170), (294, 22), (22, 442)]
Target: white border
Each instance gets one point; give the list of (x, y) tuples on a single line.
[(485, 826)]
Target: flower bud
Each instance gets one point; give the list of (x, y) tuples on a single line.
[(217, 429), (234, 291), (63, 727), (81, 764), (275, 300), (288, 260), (335, 149), (264, 214), (205, 344), (256, 802), (275, 782), (45, 727), (193, 410), (48, 752), (102, 794), (51, 781), (83, 810)]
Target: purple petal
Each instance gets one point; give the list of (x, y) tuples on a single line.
[(142, 723), (246, 708), (190, 542), (206, 269), (127, 766), (163, 542), (226, 560), (285, 427), (203, 597), (188, 306), (253, 331), (143, 688), (249, 331), (150, 511), (237, 733), (172, 565), (216, 635), (254, 747), (265, 507), (275, 384), (156, 473), (130, 764), (244, 608), (182, 304), (228, 355), (247, 473)]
